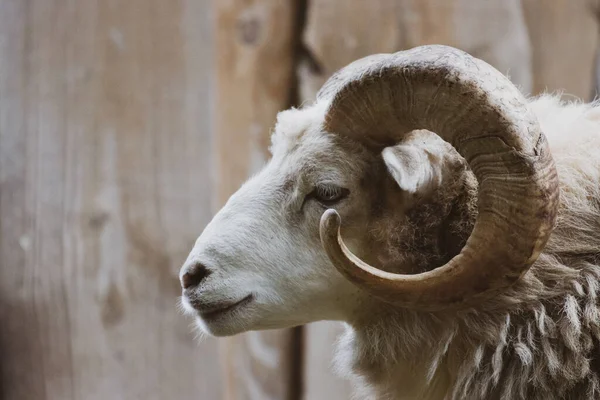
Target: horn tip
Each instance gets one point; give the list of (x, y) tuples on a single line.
[(330, 222)]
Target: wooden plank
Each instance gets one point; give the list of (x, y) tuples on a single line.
[(254, 70), (320, 381), (255, 52), (340, 31), (564, 40), (103, 190)]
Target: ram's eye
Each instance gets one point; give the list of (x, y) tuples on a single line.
[(329, 194)]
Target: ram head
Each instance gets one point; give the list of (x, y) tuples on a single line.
[(324, 230)]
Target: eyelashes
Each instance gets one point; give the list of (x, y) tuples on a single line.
[(329, 195)]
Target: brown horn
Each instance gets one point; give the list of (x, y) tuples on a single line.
[(475, 108)]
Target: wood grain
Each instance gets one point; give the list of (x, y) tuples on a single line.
[(104, 187), (254, 71), (320, 381), (254, 76), (564, 37), (340, 31)]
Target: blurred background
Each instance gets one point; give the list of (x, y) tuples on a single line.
[(125, 124)]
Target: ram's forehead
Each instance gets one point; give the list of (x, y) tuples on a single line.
[(302, 148), (293, 125)]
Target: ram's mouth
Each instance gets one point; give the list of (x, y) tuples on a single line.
[(222, 310)]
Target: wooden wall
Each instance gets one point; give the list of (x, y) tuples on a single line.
[(116, 124), (104, 185)]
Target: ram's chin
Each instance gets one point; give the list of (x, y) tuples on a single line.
[(218, 329), (223, 326), (243, 323)]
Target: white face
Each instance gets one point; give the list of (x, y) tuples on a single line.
[(259, 264)]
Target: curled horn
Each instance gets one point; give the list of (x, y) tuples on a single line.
[(471, 105)]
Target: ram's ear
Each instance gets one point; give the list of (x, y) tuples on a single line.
[(418, 164)]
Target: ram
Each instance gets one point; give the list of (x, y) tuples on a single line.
[(452, 224)]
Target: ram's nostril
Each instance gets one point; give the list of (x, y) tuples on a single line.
[(194, 275)]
